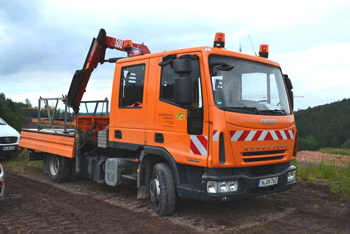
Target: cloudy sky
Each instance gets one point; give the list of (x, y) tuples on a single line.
[(43, 42)]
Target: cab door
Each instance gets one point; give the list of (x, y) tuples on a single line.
[(180, 128), (128, 109)]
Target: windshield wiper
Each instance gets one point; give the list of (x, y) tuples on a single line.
[(274, 112), (242, 109)]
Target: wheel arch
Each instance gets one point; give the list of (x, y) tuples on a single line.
[(151, 156)]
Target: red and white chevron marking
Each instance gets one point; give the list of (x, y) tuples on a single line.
[(262, 135), (199, 145), (216, 134)]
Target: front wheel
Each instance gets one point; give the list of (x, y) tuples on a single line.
[(58, 169), (162, 189)]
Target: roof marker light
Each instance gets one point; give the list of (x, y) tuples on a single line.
[(219, 40), (127, 46), (264, 51)]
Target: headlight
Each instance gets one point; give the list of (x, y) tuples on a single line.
[(291, 177), (222, 186), (212, 187)]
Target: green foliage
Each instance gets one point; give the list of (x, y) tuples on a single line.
[(338, 175), (304, 170), (338, 151), (309, 143), (11, 112), (21, 164), (341, 187), (341, 184), (346, 145), (324, 126), (326, 170)]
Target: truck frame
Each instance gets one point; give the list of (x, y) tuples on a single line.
[(202, 123)]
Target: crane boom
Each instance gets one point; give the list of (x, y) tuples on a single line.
[(96, 55)]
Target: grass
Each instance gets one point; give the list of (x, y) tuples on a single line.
[(335, 151), (20, 164), (337, 175)]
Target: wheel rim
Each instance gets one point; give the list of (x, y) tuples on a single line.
[(155, 189), (54, 166)]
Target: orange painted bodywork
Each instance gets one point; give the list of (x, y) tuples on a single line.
[(56, 142), (49, 141), (91, 122), (55, 122), (139, 125), (155, 116)]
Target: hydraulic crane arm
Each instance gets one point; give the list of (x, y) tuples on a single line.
[(96, 55)]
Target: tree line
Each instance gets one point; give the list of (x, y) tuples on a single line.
[(11, 111), (14, 112), (324, 126)]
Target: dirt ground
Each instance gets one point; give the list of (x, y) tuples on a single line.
[(33, 204)]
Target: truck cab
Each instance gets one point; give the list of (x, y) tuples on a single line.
[(221, 119)]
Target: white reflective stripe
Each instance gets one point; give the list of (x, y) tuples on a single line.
[(284, 136), (202, 149), (250, 136), (274, 135), (216, 135), (262, 136), (291, 134), (236, 135)]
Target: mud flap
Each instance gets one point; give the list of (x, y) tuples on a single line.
[(143, 192)]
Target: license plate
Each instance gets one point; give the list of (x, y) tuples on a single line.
[(267, 182), (5, 148)]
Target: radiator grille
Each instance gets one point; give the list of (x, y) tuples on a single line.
[(259, 156), (8, 140)]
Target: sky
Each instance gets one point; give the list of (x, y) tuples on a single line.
[(43, 42)]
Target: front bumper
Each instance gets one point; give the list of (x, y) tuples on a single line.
[(9, 150), (247, 185)]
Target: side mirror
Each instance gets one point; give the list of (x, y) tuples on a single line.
[(289, 89), (183, 83)]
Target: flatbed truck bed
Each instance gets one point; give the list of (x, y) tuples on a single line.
[(53, 141)]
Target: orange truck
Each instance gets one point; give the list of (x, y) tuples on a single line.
[(200, 123)]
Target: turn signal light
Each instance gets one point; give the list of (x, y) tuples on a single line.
[(264, 50), (219, 40)]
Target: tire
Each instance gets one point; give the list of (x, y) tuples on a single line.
[(162, 189), (58, 169), (73, 176)]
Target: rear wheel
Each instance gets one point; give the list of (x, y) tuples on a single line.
[(58, 169), (73, 176), (162, 189)]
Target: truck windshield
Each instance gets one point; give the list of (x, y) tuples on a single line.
[(248, 87)]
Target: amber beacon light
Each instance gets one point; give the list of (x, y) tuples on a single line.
[(127, 46), (219, 40), (264, 51)]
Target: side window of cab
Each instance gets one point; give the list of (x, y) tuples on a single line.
[(195, 108), (167, 84), (131, 86)]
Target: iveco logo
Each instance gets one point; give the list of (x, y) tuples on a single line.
[(267, 121), (7, 140)]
